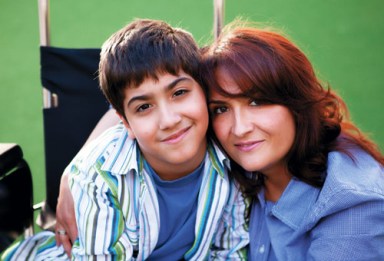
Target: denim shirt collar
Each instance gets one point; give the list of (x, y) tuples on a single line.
[(302, 204), (296, 202)]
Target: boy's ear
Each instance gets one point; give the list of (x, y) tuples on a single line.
[(126, 125)]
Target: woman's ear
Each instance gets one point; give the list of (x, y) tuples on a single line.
[(127, 126)]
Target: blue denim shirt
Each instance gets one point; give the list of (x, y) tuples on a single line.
[(343, 220)]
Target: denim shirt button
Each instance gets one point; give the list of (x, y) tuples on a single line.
[(261, 249)]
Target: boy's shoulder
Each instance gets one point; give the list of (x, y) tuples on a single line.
[(108, 145)]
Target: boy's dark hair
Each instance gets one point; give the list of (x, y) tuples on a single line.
[(144, 49)]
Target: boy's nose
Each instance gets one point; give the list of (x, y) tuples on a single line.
[(168, 118)]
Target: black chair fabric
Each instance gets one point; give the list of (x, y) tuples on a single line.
[(72, 75), (16, 191)]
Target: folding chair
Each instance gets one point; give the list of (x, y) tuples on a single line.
[(73, 104)]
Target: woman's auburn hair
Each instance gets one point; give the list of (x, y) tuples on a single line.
[(270, 68)]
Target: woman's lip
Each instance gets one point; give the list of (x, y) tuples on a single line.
[(248, 146), (176, 137)]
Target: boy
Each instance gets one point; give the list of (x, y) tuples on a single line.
[(152, 187)]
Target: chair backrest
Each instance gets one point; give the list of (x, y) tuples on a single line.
[(73, 103), (77, 104)]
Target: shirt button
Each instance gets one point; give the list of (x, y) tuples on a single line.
[(262, 249)]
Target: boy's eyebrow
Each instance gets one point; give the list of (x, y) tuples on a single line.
[(171, 85), (137, 98), (168, 87)]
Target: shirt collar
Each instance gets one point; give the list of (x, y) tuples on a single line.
[(122, 155), (295, 203), (219, 159)]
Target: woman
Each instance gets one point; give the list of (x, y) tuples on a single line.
[(316, 181)]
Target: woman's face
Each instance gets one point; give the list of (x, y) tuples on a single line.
[(257, 136)]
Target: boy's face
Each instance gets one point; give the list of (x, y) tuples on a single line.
[(169, 120)]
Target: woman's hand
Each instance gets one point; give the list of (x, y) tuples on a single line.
[(66, 228)]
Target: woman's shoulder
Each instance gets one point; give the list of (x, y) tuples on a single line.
[(352, 182), (354, 171)]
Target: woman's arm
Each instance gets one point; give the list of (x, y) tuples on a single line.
[(355, 233)]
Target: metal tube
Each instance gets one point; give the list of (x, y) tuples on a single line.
[(43, 6), (49, 99), (218, 17)]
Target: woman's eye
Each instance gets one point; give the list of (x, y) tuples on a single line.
[(179, 92), (254, 103), (143, 107), (219, 110)]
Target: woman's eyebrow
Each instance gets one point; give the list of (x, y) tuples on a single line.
[(210, 101)]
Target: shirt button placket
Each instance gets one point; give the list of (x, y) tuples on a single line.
[(262, 249)]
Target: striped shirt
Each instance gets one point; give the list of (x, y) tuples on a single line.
[(117, 210)]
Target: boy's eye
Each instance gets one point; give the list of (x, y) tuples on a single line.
[(143, 107), (179, 92)]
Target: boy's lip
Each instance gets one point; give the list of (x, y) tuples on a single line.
[(246, 146), (177, 136)]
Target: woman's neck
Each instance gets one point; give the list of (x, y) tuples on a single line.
[(275, 184)]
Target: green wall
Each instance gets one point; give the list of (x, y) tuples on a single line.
[(343, 38)]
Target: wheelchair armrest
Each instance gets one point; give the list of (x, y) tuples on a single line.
[(10, 155), (16, 190)]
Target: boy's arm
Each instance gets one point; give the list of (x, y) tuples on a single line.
[(99, 218), (232, 237)]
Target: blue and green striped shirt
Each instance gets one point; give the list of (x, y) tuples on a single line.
[(117, 209)]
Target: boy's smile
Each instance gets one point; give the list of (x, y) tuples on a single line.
[(176, 137), (169, 119)]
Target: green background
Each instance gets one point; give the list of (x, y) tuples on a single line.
[(343, 38)]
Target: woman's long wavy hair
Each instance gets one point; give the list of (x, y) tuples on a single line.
[(269, 67)]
